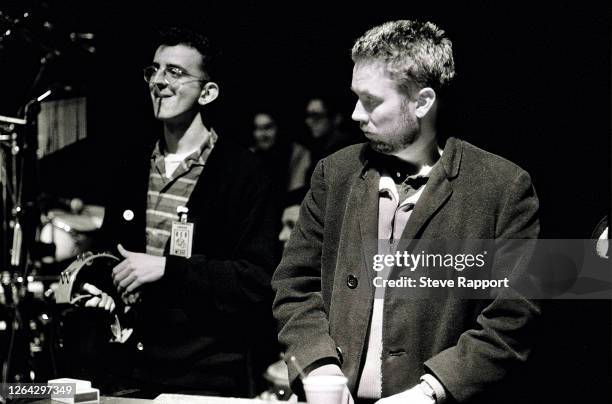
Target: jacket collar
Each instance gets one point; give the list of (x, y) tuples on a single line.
[(438, 189), (450, 160)]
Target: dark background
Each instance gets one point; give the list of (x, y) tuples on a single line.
[(533, 80), (533, 85)]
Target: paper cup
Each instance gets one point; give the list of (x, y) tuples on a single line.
[(325, 389)]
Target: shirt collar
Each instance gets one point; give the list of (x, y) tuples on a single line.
[(388, 189), (450, 158), (199, 156), (397, 169)]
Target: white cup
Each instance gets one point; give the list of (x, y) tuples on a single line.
[(325, 389)]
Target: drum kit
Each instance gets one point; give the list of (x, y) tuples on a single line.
[(33, 307), (39, 241), (70, 233)]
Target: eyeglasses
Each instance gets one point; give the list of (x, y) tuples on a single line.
[(171, 74)]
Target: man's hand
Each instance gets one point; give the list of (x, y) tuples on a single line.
[(414, 395), (334, 370), (100, 299), (136, 270)]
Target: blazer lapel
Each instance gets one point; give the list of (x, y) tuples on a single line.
[(209, 183), (437, 190), (366, 195), (137, 192), (356, 257)]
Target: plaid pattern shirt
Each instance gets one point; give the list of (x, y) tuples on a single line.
[(165, 194)]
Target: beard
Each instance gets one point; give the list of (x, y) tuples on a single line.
[(399, 139), (382, 147)]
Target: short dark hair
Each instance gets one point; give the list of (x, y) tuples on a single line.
[(414, 52), (171, 36), (331, 102)]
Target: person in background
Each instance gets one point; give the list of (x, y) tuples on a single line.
[(287, 161), (291, 213), (277, 374), (326, 131)]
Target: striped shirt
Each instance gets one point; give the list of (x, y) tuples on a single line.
[(165, 193)]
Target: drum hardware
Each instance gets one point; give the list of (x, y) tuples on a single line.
[(34, 326), (68, 291), (63, 235), (18, 214), (26, 315), (25, 324), (82, 271)]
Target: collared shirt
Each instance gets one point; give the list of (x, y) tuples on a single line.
[(395, 205), (165, 193), (398, 193)]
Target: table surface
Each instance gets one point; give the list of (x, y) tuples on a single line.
[(172, 399)]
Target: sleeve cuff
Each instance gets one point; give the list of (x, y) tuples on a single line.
[(174, 269), (440, 393)]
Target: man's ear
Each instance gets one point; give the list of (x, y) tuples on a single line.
[(425, 101), (209, 93)]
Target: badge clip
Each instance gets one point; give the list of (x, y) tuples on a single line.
[(181, 239)]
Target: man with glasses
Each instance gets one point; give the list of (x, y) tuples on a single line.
[(324, 124), (191, 222), (401, 344)]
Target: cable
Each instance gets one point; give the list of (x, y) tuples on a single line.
[(6, 366)]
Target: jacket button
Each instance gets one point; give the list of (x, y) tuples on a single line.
[(128, 215), (352, 281), (139, 346)]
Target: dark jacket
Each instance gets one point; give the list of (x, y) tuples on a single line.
[(324, 290), (195, 325)]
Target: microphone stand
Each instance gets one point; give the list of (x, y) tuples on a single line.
[(10, 129), (19, 186), (19, 183)]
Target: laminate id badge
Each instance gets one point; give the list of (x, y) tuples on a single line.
[(181, 239)]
